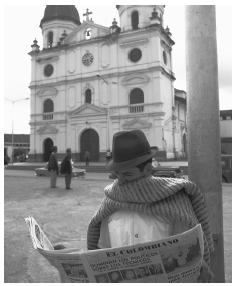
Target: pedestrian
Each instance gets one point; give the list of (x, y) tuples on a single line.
[(5, 161), (53, 167), (66, 168), (87, 157), (155, 162), (139, 207), (108, 155)]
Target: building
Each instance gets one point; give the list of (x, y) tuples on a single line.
[(180, 123), (20, 143), (226, 131), (89, 81), (226, 144)]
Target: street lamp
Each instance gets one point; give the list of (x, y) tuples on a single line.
[(12, 132)]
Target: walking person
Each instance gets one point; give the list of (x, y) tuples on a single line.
[(53, 167), (5, 161), (66, 168), (108, 155), (87, 157)]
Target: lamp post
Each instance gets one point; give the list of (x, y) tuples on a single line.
[(173, 131), (12, 123)]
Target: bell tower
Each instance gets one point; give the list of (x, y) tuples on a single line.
[(134, 17), (58, 21)]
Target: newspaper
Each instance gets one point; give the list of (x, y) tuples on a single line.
[(177, 258)]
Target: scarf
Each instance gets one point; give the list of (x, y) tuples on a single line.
[(174, 200)]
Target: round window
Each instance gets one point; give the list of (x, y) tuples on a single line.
[(48, 70), (87, 59), (135, 55)]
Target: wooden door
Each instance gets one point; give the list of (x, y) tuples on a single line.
[(89, 141), (47, 149)]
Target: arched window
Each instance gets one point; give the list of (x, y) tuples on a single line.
[(88, 96), (48, 108), (88, 33), (136, 99), (136, 96), (50, 39), (135, 20), (165, 57)]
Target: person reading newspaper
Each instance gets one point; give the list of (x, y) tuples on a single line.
[(139, 207), (173, 259)]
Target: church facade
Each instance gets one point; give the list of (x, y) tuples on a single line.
[(89, 81)]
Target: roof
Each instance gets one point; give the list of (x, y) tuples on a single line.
[(226, 112), (18, 138), (180, 95), (60, 12), (179, 90)]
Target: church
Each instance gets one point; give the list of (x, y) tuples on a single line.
[(89, 81)]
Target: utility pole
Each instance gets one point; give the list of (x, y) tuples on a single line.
[(204, 160), (12, 123)]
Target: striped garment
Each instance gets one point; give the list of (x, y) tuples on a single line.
[(174, 200)]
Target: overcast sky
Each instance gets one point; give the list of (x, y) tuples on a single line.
[(21, 27)]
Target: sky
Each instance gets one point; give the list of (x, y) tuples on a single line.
[(21, 27)]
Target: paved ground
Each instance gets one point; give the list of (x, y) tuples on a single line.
[(64, 216)]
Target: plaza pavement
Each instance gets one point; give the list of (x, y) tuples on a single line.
[(64, 216)]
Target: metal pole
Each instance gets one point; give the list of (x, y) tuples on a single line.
[(203, 120), (12, 123), (108, 125), (12, 134), (173, 131)]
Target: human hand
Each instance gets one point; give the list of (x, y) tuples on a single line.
[(206, 275)]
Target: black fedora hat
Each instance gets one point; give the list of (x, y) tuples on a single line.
[(129, 149)]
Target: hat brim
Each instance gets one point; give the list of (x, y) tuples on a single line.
[(112, 166)]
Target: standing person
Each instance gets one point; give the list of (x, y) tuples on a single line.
[(139, 207), (66, 168), (87, 157), (108, 155), (155, 162), (53, 167), (5, 161)]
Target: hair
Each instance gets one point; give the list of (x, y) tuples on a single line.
[(142, 165), (54, 149)]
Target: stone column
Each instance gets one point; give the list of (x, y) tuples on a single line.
[(203, 119)]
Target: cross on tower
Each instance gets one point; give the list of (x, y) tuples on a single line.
[(87, 14)]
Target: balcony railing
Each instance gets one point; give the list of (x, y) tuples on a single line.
[(136, 108), (140, 108), (48, 116)]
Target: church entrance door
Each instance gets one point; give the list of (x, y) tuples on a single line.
[(89, 141), (47, 149)]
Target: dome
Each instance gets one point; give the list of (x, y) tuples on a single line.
[(60, 12)]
